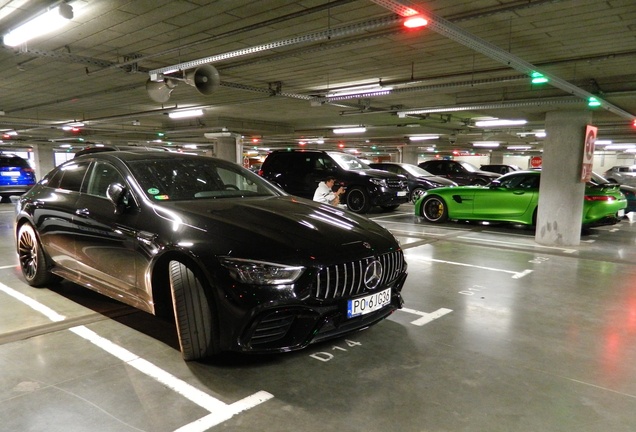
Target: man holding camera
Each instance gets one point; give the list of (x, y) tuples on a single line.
[(324, 192)]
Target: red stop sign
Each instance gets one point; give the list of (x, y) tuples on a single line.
[(536, 161)]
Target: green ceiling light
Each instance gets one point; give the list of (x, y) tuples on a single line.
[(538, 78), (592, 102)]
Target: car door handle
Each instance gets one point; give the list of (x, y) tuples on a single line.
[(146, 237), (519, 192), (82, 212)]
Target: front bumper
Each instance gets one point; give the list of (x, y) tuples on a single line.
[(388, 197), (290, 327)]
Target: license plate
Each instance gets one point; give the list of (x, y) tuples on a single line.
[(11, 173), (368, 304), (621, 213), (401, 193)]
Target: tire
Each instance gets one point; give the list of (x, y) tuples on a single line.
[(417, 194), (32, 259), (434, 209), (358, 200), (193, 314)]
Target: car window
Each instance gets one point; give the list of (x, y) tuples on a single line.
[(468, 167), (13, 161), (520, 182), (101, 175), (348, 162), (187, 179), (69, 177)]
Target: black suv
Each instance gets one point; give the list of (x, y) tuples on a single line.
[(460, 172), (298, 172)]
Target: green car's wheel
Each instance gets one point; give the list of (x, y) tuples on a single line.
[(434, 209)]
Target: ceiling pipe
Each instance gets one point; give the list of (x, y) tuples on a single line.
[(157, 74)]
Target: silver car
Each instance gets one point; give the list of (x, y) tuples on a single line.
[(622, 174)]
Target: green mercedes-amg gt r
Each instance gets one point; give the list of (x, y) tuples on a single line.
[(514, 198)]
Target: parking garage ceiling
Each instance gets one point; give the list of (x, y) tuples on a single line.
[(289, 72)]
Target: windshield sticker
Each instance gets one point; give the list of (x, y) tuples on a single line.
[(153, 191), (161, 197)]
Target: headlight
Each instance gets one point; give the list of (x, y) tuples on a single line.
[(261, 272), (378, 181)]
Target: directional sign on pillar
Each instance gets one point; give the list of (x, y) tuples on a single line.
[(588, 153)]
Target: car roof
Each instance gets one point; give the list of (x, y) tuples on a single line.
[(109, 148), (133, 155)]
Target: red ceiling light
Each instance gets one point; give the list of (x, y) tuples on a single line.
[(415, 21)]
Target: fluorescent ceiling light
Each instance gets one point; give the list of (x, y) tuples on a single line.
[(357, 89), (350, 130), (519, 147), (620, 146), (486, 144), (423, 137), (51, 20), (187, 113), (500, 122)]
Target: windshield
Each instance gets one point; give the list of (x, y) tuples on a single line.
[(416, 171), (197, 178), (348, 162), (468, 167)]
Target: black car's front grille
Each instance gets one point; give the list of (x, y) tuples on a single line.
[(346, 279), (396, 184)]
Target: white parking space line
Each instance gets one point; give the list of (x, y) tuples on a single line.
[(515, 275), (426, 317), (219, 411), (534, 245)]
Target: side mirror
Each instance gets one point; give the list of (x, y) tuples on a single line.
[(116, 193), (494, 184)]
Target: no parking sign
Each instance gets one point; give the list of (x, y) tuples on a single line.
[(588, 153)]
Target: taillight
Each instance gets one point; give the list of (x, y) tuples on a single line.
[(260, 172), (599, 198)]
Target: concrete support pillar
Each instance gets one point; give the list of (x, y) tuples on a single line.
[(44, 159), (230, 148), (561, 193), (496, 157), (410, 154)]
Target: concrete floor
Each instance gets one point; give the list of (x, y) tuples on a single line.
[(498, 334)]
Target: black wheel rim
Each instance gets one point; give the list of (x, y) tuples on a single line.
[(355, 201), (27, 251), (433, 209)]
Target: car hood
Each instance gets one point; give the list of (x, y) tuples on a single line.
[(487, 174), (437, 179), (372, 172), (283, 228)]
